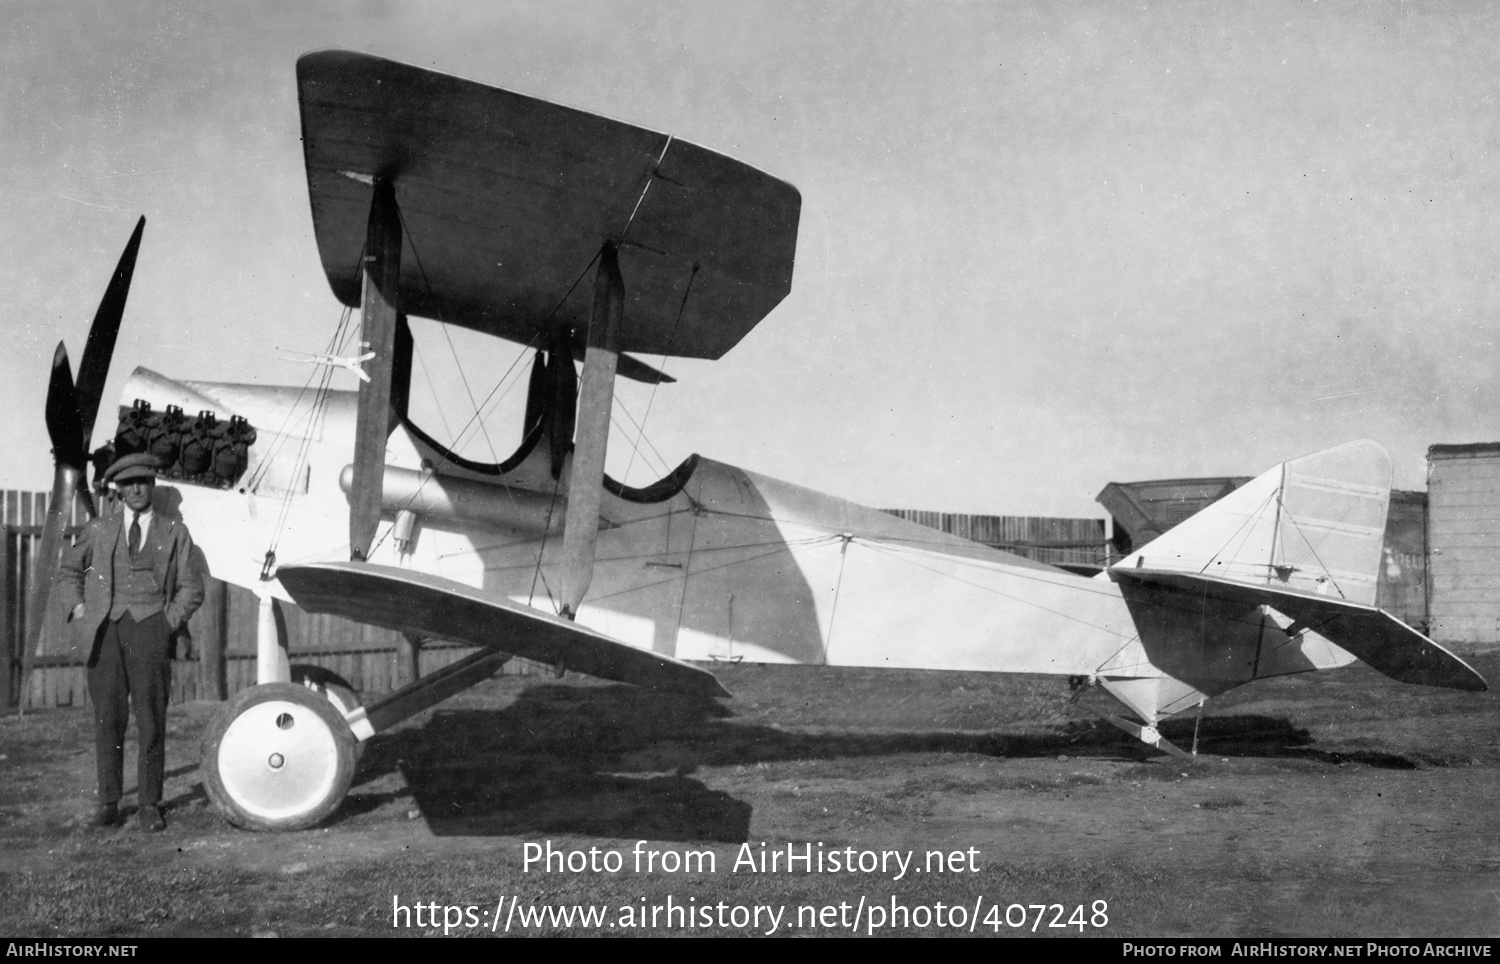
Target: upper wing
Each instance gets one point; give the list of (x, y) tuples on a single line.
[(409, 601), (506, 200), (1371, 634)]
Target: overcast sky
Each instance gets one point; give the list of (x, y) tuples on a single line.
[(1043, 246)]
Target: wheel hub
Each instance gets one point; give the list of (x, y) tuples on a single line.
[(278, 759)]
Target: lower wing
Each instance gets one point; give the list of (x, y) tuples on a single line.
[(414, 602)]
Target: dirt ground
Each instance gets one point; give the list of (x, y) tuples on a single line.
[(1334, 804)]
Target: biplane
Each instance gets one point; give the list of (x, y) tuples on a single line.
[(598, 245)]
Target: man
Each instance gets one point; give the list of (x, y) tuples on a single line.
[(130, 584)]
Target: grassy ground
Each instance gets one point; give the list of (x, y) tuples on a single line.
[(1336, 804)]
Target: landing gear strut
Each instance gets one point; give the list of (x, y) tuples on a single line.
[(281, 756)]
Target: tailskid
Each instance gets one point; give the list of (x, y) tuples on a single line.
[(1145, 732), (1148, 735)]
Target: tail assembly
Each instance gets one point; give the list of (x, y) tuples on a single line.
[(1277, 577), (1312, 525)]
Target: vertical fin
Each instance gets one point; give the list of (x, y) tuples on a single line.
[(1314, 524)]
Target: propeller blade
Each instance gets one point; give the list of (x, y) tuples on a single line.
[(93, 367), (65, 482), (70, 413), (64, 424)]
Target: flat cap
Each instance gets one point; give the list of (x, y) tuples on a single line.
[(141, 465)]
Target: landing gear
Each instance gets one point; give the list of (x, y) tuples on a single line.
[(329, 685), (280, 756)]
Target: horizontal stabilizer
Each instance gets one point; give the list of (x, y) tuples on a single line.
[(506, 200), (1375, 636), (414, 602)]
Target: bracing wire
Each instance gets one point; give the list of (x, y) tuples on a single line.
[(319, 406), (651, 399), (432, 389), (422, 269), (1313, 548), (1244, 527), (478, 408), (640, 431)]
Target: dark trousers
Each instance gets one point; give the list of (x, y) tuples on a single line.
[(133, 666)]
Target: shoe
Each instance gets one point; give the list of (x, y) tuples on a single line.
[(108, 815), (150, 819)]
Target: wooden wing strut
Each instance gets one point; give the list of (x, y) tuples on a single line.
[(381, 305)]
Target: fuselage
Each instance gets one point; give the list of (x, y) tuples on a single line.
[(714, 563)]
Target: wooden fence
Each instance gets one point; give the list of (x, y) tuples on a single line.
[(221, 659), (1056, 541)]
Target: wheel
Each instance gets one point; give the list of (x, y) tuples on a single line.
[(278, 757), (328, 684)]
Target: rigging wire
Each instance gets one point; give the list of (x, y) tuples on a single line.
[(650, 175), (477, 415), (526, 349), (315, 413), (432, 390), (661, 366), (478, 407), (1313, 548), (1254, 516), (661, 462), (427, 284), (536, 573)]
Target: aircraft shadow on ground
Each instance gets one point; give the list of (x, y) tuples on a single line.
[(617, 761)]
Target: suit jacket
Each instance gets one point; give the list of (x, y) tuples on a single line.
[(87, 574)]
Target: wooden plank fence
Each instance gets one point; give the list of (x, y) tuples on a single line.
[(366, 656), (1056, 541), (63, 680)]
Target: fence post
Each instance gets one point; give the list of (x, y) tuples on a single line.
[(8, 645), (408, 659), (210, 634)]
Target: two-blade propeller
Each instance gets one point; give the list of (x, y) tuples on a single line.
[(71, 410)]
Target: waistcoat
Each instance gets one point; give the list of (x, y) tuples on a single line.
[(137, 590)]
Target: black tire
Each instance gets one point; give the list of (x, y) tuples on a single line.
[(328, 684), (334, 688), (278, 757)]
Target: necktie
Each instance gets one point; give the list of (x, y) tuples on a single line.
[(135, 533)]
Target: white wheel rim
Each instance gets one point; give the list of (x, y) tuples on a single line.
[(278, 760)]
